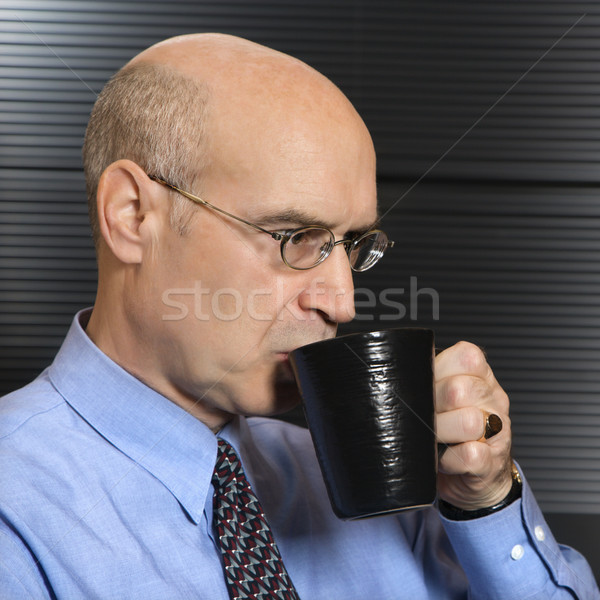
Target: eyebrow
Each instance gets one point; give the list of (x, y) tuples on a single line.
[(303, 219)]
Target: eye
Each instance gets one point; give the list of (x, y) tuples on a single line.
[(302, 237)]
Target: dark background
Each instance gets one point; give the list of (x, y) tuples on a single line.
[(486, 119)]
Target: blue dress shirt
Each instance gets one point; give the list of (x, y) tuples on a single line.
[(105, 492)]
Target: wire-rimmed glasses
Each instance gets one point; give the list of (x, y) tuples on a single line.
[(306, 247)]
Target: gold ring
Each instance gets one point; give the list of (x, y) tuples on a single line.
[(493, 426)]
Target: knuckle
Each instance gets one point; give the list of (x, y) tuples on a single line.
[(473, 455), (507, 429), (471, 357), (455, 391), (472, 423), (503, 402)]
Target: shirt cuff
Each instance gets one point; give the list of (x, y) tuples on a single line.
[(513, 554)]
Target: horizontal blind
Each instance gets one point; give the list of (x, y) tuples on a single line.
[(515, 82)]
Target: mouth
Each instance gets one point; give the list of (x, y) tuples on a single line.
[(283, 355)]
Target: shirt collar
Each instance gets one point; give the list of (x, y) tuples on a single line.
[(172, 445)]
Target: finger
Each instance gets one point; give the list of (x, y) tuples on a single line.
[(462, 358), (471, 458), (461, 425), (459, 391)]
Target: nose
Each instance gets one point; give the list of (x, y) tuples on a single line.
[(331, 289)]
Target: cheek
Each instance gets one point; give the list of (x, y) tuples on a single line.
[(225, 304), (257, 311), (234, 306), (274, 298), (228, 289)]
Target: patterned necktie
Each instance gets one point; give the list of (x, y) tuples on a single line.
[(254, 569)]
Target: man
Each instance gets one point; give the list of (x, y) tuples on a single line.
[(203, 157)]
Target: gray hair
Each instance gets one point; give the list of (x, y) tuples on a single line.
[(156, 117)]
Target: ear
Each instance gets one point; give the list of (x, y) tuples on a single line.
[(127, 210)]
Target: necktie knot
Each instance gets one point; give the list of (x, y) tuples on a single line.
[(253, 566), (228, 468)]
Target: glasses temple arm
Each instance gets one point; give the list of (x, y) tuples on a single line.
[(198, 200)]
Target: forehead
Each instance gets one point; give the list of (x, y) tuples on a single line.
[(301, 179), (326, 199)]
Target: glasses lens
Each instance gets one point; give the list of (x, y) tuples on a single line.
[(307, 247), (368, 249)]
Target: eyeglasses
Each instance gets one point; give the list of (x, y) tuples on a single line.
[(307, 247)]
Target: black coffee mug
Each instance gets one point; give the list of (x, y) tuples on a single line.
[(369, 404)]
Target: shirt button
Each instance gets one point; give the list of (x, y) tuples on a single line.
[(517, 552), (539, 533)]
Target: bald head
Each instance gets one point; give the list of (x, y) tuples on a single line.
[(239, 71), (255, 93), (211, 101)]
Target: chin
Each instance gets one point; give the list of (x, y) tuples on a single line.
[(280, 399)]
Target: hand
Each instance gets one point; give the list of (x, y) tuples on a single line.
[(473, 472)]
